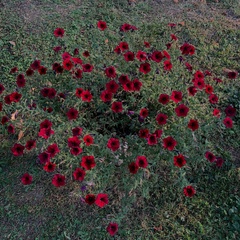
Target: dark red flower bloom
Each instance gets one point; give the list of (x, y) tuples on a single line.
[(189, 191), (44, 92), (79, 174), (45, 133), (146, 44), (141, 56), (169, 143), (35, 65), (117, 107), (158, 133), (77, 61), (44, 157), (193, 124), (199, 83), (88, 162), (77, 131), (192, 91), (133, 168), (78, 74), (72, 114), (123, 46), (228, 122), (141, 161), (90, 199), (7, 99), (167, 65), (152, 139), (129, 56), (112, 86), (106, 96), (88, 139), (157, 56), (46, 124), (67, 64), (51, 93), (79, 92), (58, 180), (15, 97), (14, 70), (53, 150), (86, 96), (59, 32), (144, 112), (179, 160), (145, 68), (110, 72), (49, 167), (210, 156), (216, 113), (76, 51), (182, 110), (187, 49), (1, 105), (112, 228), (176, 96), (26, 179), (219, 162), (143, 133), (117, 50), (113, 144), (136, 85), (161, 118), (101, 200), (57, 48), (208, 89), (101, 25), (11, 129), (232, 74), (17, 149), (73, 142), (166, 54), (172, 25), (230, 111), (198, 75), (163, 98), (127, 27), (213, 98), (86, 54), (168, 45), (174, 37), (21, 81), (29, 72), (128, 86), (2, 88), (42, 70), (123, 79), (66, 55), (76, 151), (4, 120), (188, 66)]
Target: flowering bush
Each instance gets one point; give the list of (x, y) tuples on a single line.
[(116, 113)]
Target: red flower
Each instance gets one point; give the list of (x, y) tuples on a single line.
[(133, 168), (123, 46), (128, 86), (161, 118), (208, 89), (86, 54), (147, 44), (169, 143), (210, 156), (67, 64), (29, 72), (76, 51), (106, 96), (77, 131), (101, 25), (129, 56), (143, 133), (72, 114), (59, 180), (158, 133), (123, 79), (15, 97), (176, 96), (141, 56), (17, 149), (21, 81), (193, 124), (167, 65), (141, 161), (78, 74), (76, 151), (117, 107), (113, 144), (36, 64), (2, 88), (216, 112), (232, 74), (213, 98), (53, 150), (13, 70), (44, 157), (157, 56), (127, 27), (101, 200), (230, 111), (26, 179), (79, 174), (79, 92), (144, 112), (145, 68), (30, 144), (182, 110), (166, 54), (51, 93), (88, 139), (46, 124), (66, 56), (1, 106), (172, 25), (179, 160), (90, 199), (199, 83), (42, 70), (59, 32), (86, 96), (187, 49), (198, 75), (136, 85), (110, 72), (73, 142), (188, 66), (11, 129), (152, 139), (189, 191), (112, 86), (4, 120), (88, 162), (45, 133), (219, 161), (57, 48), (228, 122), (163, 98), (174, 37), (49, 167), (112, 228), (77, 61)]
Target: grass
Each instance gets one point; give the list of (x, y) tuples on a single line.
[(157, 212)]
